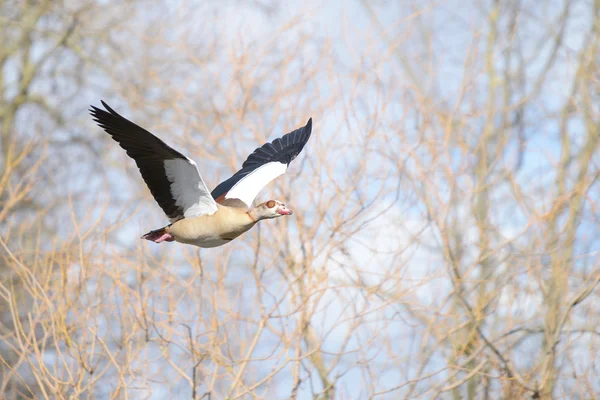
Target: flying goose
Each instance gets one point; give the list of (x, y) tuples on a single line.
[(199, 217)]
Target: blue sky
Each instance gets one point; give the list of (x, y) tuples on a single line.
[(433, 41), (354, 41)]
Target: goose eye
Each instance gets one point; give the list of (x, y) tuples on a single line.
[(271, 203)]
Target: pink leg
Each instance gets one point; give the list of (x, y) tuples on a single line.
[(166, 237), (158, 236)]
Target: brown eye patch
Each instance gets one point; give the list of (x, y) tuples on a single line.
[(271, 203)]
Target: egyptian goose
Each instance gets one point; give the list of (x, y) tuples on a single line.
[(197, 216)]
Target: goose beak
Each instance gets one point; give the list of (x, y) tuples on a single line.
[(283, 210)]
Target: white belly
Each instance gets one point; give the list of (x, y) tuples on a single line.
[(212, 230), (207, 243), (203, 240)]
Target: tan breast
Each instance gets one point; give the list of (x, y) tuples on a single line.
[(212, 230)]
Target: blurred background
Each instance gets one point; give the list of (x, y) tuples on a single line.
[(445, 241)]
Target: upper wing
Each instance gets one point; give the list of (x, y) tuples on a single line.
[(173, 179), (262, 166)]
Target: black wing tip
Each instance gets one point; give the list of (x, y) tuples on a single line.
[(306, 131), (308, 127), (110, 110), (99, 116), (95, 111)]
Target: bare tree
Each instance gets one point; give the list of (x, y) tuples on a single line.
[(445, 239), (48, 54)]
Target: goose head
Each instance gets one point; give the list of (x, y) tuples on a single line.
[(270, 209)]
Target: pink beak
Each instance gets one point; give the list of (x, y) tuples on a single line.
[(283, 210)]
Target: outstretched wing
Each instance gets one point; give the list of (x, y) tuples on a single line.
[(262, 166), (173, 179)]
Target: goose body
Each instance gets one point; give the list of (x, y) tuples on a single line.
[(199, 217), (212, 230)]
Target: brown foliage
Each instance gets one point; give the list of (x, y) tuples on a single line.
[(445, 236)]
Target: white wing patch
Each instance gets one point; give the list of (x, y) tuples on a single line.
[(248, 187), (188, 189)]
